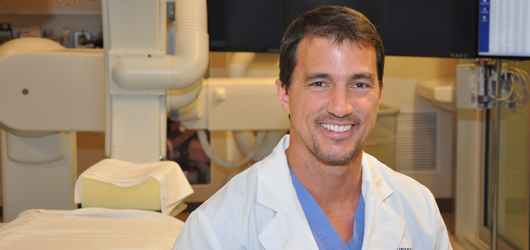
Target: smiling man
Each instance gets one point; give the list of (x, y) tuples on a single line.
[(318, 189)]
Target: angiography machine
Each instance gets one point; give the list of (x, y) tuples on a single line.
[(48, 92)]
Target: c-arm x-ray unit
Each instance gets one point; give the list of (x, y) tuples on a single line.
[(48, 92)]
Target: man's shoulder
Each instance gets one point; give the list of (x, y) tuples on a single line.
[(231, 214), (402, 185), (221, 222), (415, 204), (241, 191)]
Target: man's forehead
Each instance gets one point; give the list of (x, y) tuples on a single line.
[(309, 39), (311, 46), (314, 47)]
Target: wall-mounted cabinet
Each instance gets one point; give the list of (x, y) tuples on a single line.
[(51, 7)]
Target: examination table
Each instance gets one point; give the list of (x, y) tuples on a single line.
[(140, 203)]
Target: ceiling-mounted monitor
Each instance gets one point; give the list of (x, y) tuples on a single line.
[(246, 25), (436, 28), (504, 28)]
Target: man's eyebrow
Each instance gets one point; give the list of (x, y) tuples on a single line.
[(314, 76), (356, 76), (363, 75)]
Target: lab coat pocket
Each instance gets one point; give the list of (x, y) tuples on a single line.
[(405, 244)]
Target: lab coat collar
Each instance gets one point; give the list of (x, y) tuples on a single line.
[(289, 229), (273, 175), (372, 178), (383, 228)]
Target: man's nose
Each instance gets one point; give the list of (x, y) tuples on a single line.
[(340, 103)]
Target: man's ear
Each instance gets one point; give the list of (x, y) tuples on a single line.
[(283, 96), (381, 92)]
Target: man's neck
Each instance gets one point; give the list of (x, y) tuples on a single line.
[(336, 188), (327, 183)]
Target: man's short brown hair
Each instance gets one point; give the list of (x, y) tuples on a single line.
[(335, 22)]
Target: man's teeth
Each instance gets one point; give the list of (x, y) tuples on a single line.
[(336, 128)]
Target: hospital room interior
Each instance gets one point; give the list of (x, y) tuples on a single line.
[(78, 87)]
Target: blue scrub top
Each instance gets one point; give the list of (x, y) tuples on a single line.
[(323, 231)]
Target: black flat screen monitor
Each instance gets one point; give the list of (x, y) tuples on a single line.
[(504, 28), (437, 28), (246, 25)]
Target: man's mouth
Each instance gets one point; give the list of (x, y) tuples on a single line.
[(336, 128)]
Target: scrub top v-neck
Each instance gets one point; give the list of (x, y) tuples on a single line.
[(323, 231)]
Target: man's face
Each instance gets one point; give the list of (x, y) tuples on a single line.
[(333, 99)]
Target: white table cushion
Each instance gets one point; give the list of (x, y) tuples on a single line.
[(174, 186), (90, 228)]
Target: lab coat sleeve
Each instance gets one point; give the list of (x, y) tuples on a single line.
[(197, 233), (442, 242)]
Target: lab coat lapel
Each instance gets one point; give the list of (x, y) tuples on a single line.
[(289, 228), (384, 229)]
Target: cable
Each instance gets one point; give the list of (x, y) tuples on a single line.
[(515, 99), (507, 97), (521, 98), (222, 162)]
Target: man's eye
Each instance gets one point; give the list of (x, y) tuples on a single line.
[(360, 85), (318, 84)]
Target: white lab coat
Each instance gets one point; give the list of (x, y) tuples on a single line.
[(259, 209)]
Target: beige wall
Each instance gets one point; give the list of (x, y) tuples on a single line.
[(419, 67), (395, 66), (91, 144)]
